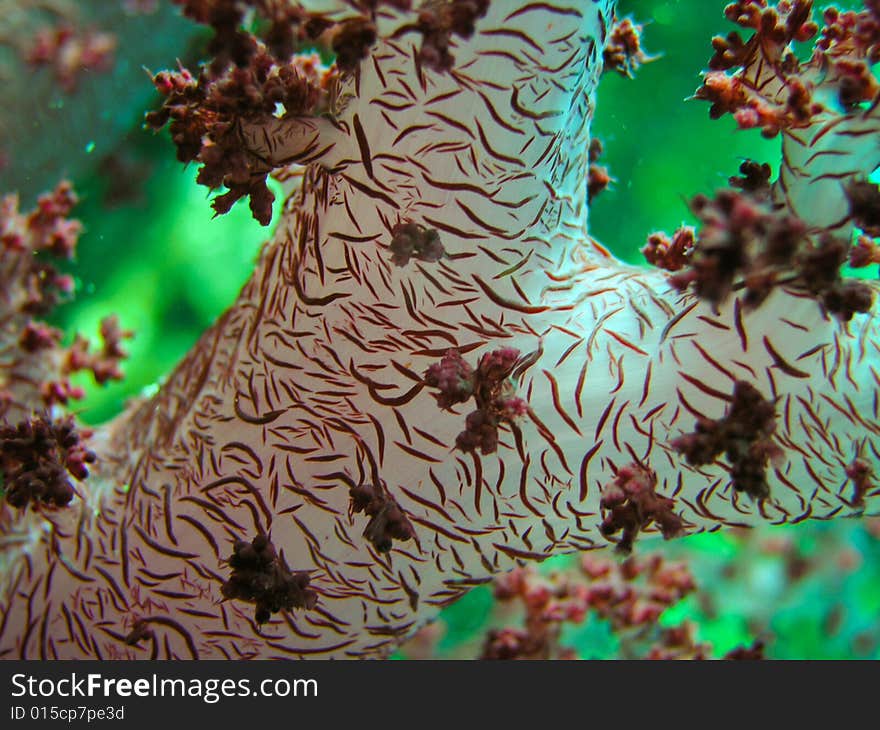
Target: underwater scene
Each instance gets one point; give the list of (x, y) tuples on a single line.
[(460, 329)]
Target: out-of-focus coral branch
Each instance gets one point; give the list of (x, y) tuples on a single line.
[(70, 53), (631, 596), (43, 453), (35, 366), (32, 243), (61, 63)]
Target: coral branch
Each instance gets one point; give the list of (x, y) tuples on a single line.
[(329, 388)]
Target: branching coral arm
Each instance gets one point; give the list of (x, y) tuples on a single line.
[(433, 375)]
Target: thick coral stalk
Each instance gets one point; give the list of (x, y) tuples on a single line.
[(304, 414)]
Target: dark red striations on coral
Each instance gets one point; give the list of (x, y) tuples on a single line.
[(255, 70)]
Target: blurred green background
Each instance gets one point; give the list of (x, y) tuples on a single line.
[(152, 253)]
